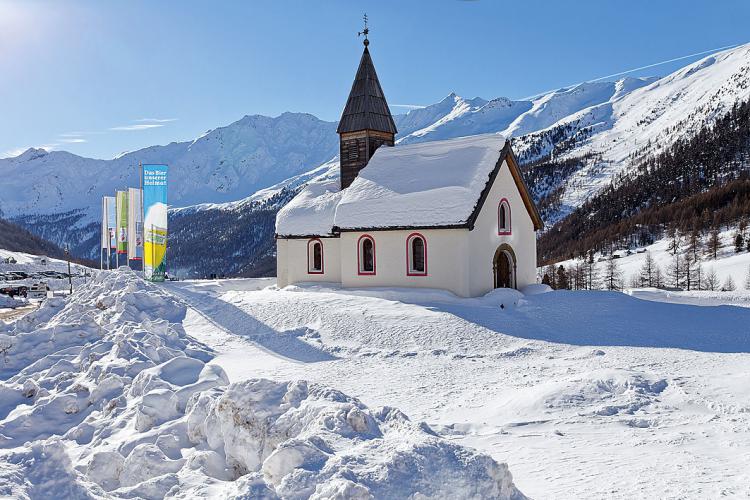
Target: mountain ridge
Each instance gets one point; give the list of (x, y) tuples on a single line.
[(595, 129)]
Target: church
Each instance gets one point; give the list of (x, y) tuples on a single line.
[(452, 214)]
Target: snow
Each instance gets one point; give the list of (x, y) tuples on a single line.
[(107, 395), (544, 384), (225, 164), (650, 118), (428, 184), (727, 264), (29, 270), (312, 211)]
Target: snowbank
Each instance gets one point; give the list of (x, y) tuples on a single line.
[(7, 302), (105, 395)]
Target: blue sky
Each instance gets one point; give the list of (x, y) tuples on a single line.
[(100, 77)]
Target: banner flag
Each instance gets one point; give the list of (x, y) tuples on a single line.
[(122, 222), (112, 221), (105, 224), (135, 224), (155, 221)]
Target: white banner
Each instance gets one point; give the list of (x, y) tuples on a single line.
[(105, 227), (135, 224), (108, 210)]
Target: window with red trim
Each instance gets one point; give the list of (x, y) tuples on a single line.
[(503, 217), (366, 255), (315, 256), (416, 255)]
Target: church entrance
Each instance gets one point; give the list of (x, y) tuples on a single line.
[(504, 267)]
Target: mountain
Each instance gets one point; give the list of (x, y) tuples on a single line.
[(696, 186), (224, 164), (572, 143), (232, 239), (608, 139)]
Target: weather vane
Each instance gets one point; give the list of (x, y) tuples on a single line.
[(365, 31)]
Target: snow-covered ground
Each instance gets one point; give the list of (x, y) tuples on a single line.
[(106, 394), (29, 269), (727, 264), (582, 394)]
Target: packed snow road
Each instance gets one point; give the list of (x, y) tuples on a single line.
[(583, 394)]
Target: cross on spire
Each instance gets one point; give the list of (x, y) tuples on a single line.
[(365, 31)]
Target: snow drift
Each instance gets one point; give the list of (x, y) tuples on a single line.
[(105, 395)]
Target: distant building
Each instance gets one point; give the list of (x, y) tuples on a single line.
[(451, 214)]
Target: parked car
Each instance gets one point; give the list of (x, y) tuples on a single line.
[(14, 291), (37, 291)]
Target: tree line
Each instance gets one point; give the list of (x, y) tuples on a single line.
[(697, 185)]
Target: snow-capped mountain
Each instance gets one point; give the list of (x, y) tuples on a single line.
[(603, 126), (224, 164), (638, 122)]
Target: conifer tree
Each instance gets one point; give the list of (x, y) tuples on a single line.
[(747, 279), (714, 243), (647, 271), (739, 242), (562, 281), (728, 285), (658, 278), (711, 281), (677, 270), (612, 274), (695, 243)]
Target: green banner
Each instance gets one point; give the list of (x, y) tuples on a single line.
[(122, 222)]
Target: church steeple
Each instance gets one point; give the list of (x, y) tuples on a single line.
[(366, 123)]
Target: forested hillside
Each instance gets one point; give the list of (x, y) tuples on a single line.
[(696, 185), (17, 239), (237, 241)]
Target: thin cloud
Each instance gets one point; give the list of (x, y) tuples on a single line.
[(73, 140), (709, 51), (12, 153), (156, 120), (408, 106), (139, 126)]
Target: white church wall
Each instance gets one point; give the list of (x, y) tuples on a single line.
[(484, 239), (292, 261), (446, 260)]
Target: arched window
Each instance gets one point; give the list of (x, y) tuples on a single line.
[(315, 256), (416, 255), (503, 217), (366, 254)]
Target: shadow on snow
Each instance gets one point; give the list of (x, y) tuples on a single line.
[(613, 319), (286, 344)]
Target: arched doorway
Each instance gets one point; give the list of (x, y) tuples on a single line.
[(504, 267)]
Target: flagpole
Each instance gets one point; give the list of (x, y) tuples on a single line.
[(117, 233), (143, 221)]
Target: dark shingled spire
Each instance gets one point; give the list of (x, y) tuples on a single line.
[(366, 108)]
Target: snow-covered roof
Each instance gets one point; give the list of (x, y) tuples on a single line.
[(426, 184), (311, 212), (432, 184)]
